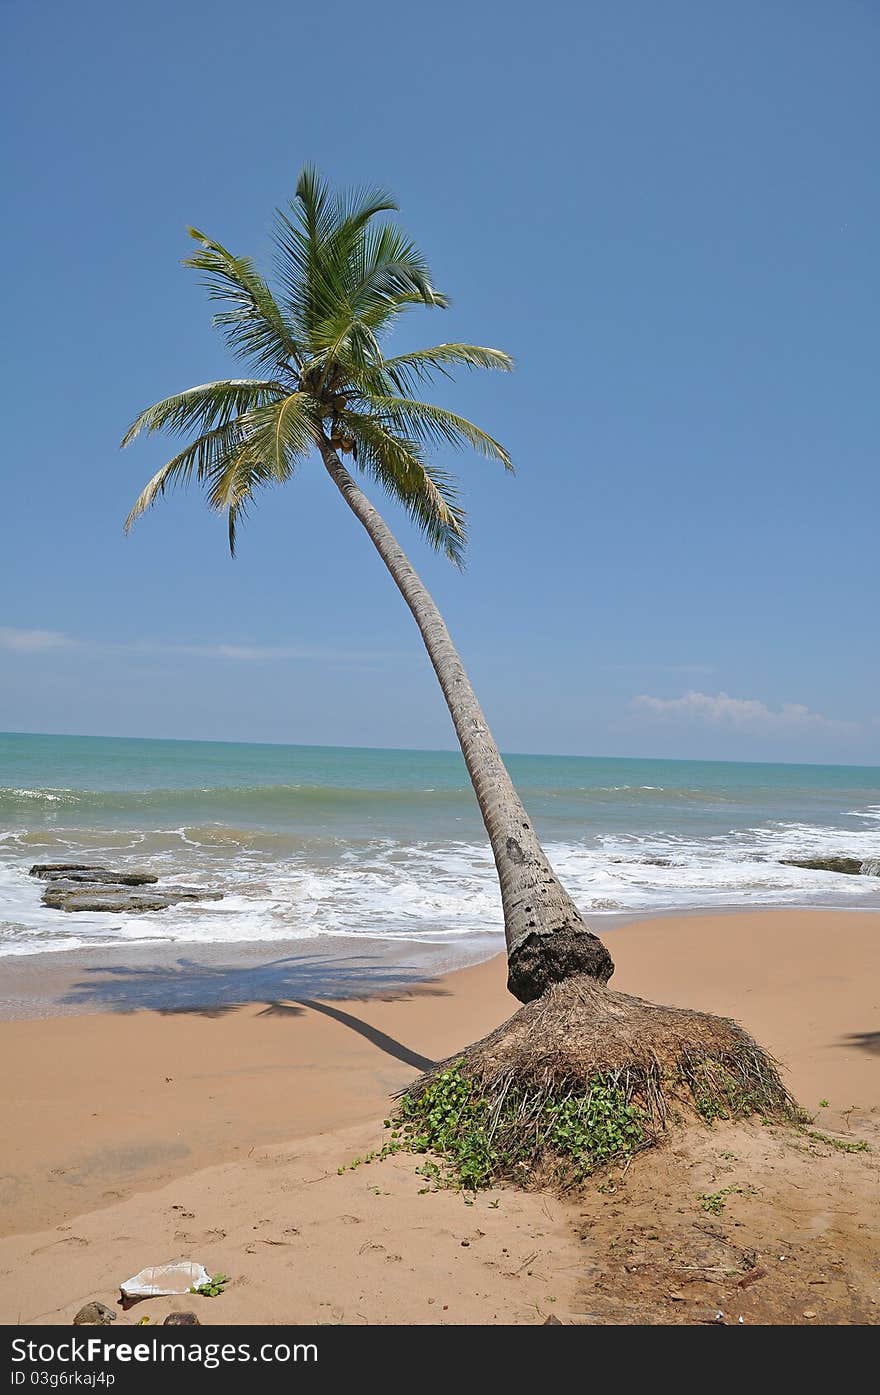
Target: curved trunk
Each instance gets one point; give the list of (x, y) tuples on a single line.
[(547, 940)]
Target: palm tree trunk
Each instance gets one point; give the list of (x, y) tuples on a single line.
[(547, 940)]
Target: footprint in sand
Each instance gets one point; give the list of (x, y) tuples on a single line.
[(76, 1240), (369, 1245)]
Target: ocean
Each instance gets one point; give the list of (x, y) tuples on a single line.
[(309, 841)]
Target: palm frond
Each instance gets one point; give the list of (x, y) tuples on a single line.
[(317, 240), (204, 406), (254, 326), (267, 440), (281, 432), (378, 317), (425, 422), (429, 495), (315, 204), (388, 265), (345, 274), (386, 272), (336, 267), (204, 457), (235, 486), (272, 440), (405, 370)]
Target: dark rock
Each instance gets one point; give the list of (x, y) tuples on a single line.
[(181, 1320), (94, 1315), (851, 866), (90, 886), (54, 869), (73, 896), (104, 876)]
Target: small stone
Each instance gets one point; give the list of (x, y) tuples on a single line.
[(181, 1320), (465, 1244), (809, 1312), (553, 1321), (678, 1297), (94, 1315)]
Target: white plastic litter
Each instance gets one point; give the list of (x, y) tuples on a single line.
[(177, 1276)]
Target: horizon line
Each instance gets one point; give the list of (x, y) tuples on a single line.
[(433, 750)]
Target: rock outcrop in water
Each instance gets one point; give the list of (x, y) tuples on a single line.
[(55, 869), (81, 872), (851, 866), (84, 886)]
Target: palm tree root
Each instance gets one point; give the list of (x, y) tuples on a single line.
[(576, 1079), (540, 960)]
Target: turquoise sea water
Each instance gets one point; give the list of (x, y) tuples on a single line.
[(310, 841)]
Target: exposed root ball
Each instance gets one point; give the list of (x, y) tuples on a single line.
[(579, 1068), (541, 960)]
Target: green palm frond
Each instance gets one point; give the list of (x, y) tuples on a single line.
[(234, 487), (282, 432), (406, 370), (423, 421), (388, 265), (271, 436), (203, 457), (209, 404), (349, 346), (345, 273), (319, 243), (378, 318), (429, 495), (253, 325)]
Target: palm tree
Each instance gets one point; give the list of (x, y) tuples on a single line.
[(326, 386), (345, 275)]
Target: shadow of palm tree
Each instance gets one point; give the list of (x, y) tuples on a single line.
[(288, 987), (867, 1041), (211, 990), (389, 1045)]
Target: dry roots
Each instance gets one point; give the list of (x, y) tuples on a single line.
[(580, 1032)]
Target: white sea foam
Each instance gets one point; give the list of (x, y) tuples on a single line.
[(423, 891), (44, 796)]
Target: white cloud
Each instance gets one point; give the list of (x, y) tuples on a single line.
[(39, 641), (255, 653), (247, 653), (744, 714), (32, 641), (661, 668)]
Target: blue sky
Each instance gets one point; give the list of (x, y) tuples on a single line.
[(667, 213)]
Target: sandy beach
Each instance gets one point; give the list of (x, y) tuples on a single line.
[(217, 1133)]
